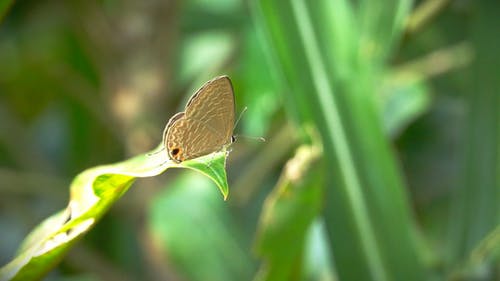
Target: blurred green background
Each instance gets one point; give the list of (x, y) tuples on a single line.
[(382, 159)]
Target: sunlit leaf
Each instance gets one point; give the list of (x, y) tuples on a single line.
[(93, 192)]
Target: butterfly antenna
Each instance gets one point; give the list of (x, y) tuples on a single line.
[(261, 139), (239, 117)]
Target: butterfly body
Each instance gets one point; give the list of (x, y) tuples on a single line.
[(206, 124)]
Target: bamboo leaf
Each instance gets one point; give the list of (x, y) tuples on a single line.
[(366, 200), (475, 206)]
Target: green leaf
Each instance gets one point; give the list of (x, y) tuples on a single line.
[(381, 25), (92, 193), (331, 86), (288, 213), (475, 205), (214, 167)]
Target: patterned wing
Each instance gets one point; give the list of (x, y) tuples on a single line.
[(213, 106), (172, 120), (188, 138)]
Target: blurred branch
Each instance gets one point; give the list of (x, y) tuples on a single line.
[(80, 90), (423, 14), (440, 61), (102, 37)]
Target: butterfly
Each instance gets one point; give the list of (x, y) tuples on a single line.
[(206, 124)]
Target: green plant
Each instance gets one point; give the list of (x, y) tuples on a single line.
[(93, 192)]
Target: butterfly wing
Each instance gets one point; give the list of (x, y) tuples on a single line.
[(188, 139), (171, 121), (213, 105)]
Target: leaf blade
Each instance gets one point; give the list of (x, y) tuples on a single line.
[(92, 193)]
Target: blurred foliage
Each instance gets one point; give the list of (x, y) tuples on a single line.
[(402, 97)]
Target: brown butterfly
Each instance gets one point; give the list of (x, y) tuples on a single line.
[(205, 126)]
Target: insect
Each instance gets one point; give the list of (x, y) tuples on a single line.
[(206, 124)]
